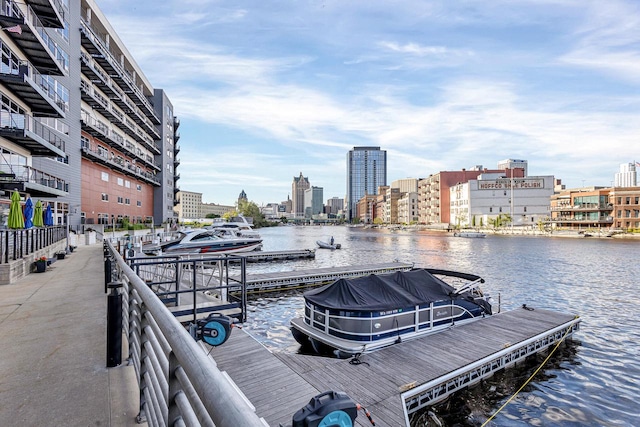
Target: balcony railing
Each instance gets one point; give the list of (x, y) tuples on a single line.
[(129, 169), (32, 175), (121, 71), (25, 122)]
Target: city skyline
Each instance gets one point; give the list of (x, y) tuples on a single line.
[(265, 91)]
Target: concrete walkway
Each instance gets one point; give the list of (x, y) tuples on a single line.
[(53, 349)]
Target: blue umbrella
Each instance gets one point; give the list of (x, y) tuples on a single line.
[(16, 220), (48, 216), (28, 213)]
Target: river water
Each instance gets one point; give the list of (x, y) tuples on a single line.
[(594, 380)]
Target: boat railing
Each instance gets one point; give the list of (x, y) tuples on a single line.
[(373, 328), (179, 383)]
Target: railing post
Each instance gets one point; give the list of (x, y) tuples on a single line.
[(107, 270), (114, 325)]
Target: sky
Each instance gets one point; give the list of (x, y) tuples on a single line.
[(265, 90)]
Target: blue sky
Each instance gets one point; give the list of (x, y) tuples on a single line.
[(268, 89)]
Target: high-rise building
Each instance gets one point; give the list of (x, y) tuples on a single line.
[(299, 185), (82, 128), (366, 171), (313, 201), (335, 205), (627, 176)]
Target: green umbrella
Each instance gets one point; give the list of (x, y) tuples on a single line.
[(37, 215), (16, 220)]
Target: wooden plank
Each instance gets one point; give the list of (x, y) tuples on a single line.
[(279, 384)]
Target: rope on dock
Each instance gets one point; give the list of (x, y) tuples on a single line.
[(569, 329)]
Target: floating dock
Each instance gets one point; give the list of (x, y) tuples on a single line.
[(399, 380), (262, 282), (268, 256)]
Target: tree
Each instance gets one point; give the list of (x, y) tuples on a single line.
[(377, 221), (251, 210)]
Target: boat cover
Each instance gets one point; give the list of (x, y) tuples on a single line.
[(383, 292)]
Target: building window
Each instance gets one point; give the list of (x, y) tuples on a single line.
[(490, 209), (525, 208), (105, 197), (105, 176), (138, 187), (127, 201), (120, 182), (127, 183), (120, 200), (139, 204)]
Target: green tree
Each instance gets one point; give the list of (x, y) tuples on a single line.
[(251, 210), (377, 221)]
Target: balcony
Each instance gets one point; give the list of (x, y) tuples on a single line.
[(50, 12), (32, 89), (25, 131), (176, 149), (102, 104), (176, 136), (33, 181), (176, 162), (100, 130), (41, 51), (102, 157), (176, 177), (101, 53), (176, 122)]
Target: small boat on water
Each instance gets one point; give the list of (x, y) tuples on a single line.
[(355, 316), (202, 241), (470, 234), (325, 245)]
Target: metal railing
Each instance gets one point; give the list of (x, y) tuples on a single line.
[(16, 244), (179, 384)]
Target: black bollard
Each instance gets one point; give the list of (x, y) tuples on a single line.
[(114, 325), (107, 272)]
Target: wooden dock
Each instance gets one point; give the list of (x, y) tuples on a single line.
[(396, 381), (269, 256), (261, 282)]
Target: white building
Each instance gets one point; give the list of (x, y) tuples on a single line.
[(189, 205), (408, 208), (627, 176), (479, 202)]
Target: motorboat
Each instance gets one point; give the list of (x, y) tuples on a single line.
[(354, 316), (325, 245), (203, 241), (239, 224), (470, 234)]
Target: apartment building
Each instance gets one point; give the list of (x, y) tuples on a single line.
[(189, 205), (625, 207), (85, 130), (434, 192), (36, 101), (587, 207)]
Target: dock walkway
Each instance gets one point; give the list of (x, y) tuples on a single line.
[(53, 349), (279, 384)]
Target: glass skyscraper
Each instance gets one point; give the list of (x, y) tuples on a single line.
[(366, 171)]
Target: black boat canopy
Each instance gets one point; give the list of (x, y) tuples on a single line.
[(384, 292)]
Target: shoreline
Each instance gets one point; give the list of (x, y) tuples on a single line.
[(571, 234)]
